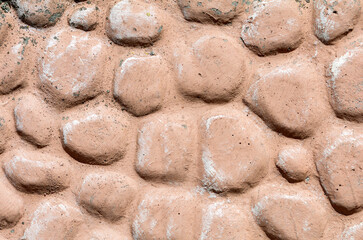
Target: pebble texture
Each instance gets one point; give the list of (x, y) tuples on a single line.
[(181, 120)]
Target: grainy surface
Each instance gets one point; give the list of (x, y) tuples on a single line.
[(175, 119)]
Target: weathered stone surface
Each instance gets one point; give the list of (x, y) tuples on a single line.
[(286, 213), (84, 18), (99, 136), (294, 162), (166, 146), (213, 69), (4, 21), (54, 219), (167, 214), (345, 82), (101, 233), (107, 194), (340, 167), (235, 151), (11, 64), (209, 10), (11, 206), (140, 84), (133, 23), (288, 97), (40, 13), (5, 125), (352, 231), (71, 68), (334, 18), (37, 172), (35, 121), (272, 27)]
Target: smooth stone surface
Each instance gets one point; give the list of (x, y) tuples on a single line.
[(36, 172), (84, 18), (11, 206)]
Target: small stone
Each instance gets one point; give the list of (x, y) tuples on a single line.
[(288, 97), (345, 83), (140, 84), (232, 159), (132, 23), (285, 213), (340, 168), (273, 27), (294, 162), (11, 64), (84, 18), (37, 172), (96, 137), (11, 206), (212, 70), (40, 13), (166, 145), (167, 214), (334, 18), (71, 70), (54, 219), (107, 194), (209, 10), (35, 122)]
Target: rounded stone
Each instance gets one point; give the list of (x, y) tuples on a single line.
[(340, 168), (54, 219), (165, 147), (212, 69), (167, 214), (11, 65), (131, 22), (345, 84), (36, 172), (107, 194), (273, 27), (232, 160), (209, 10), (285, 213), (96, 137), (288, 97), (71, 69), (294, 162), (334, 18), (84, 18), (35, 122), (140, 84), (40, 13), (11, 207)]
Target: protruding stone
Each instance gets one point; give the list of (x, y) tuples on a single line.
[(40, 13), (294, 162), (11, 207), (288, 98), (285, 213), (272, 27), (166, 146), (11, 64), (54, 219), (340, 167), (84, 18), (71, 70), (133, 23), (235, 151), (345, 83), (99, 136), (107, 194), (140, 84), (37, 172), (334, 18), (35, 122), (212, 70), (167, 214), (209, 10)]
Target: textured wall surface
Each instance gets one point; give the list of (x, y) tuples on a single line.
[(181, 119)]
